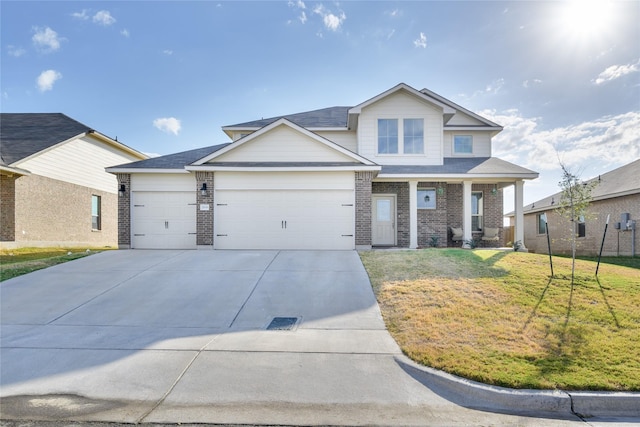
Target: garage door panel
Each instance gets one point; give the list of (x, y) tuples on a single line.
[(164, 220), (284, 219)]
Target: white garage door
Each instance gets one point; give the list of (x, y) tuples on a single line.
[(163, 219), (302, 217)]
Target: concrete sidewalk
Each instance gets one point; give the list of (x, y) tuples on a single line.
[(180, 337)]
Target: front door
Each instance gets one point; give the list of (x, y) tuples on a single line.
[(383, 220)]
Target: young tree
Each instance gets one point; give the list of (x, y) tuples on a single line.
[(574, 201)]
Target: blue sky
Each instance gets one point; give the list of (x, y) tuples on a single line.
[(562, 77)]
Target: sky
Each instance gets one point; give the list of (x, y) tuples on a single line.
[(562, 77)]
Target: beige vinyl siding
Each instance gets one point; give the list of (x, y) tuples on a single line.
[(461, 119), (283, 144), (81, 162), (345, 139), (163, 182), (481, 143), (343, 180), (401, 106)]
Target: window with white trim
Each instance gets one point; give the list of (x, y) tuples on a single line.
[(542, 224), (476, 210), (96, 213), (426, 198), (413, 130), (463, 144), (388, 136)]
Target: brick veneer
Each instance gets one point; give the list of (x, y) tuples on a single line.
[(124, 211), (432, 223), (363, 209), (204, 218), (8, 208)]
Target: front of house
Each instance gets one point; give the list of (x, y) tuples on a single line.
[(403, 168)]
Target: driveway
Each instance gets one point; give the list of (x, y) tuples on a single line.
[(181, 336)]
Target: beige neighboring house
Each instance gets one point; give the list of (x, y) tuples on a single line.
[(616, 194), (403, 168), (54, 190)]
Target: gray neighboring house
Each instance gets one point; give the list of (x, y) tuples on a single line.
[(616, 194), (54, 190), (405, 168)]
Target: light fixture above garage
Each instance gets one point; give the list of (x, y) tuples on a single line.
[(122, 191), (203, 189)]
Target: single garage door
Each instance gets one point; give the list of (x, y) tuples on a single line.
[(163, 214), (302, 215)]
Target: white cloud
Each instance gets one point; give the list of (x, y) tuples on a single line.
[(46, 79), (104, 18), (616, 71), (421, 41), (527, 83), (331, 21), (15, 51), (125, 33), (167, 52), (168, 125), (603, 141), (299, 4), (303, 17), (46, 40), (81, 15)]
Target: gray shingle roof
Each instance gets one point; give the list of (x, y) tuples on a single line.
[(324, 118), (24, 134), (455, 166), (173, 161)]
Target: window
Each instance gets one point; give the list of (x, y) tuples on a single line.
[(96, 222), (542, 224), (413, 136), (582, 229), (427, 198), (463, 144), (476, 210), (387, 136)]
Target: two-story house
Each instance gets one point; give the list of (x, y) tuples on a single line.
[(403, 168)]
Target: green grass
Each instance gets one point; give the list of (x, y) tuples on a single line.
[(498, 317), (16, 262)]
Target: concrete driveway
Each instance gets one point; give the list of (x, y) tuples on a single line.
[(180, 336)]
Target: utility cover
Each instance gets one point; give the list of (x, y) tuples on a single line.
[(282, 323)]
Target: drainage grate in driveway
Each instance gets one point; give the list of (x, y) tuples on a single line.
[(282, 323)]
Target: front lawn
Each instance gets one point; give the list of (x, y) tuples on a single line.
[(16, 262), (497, 317)]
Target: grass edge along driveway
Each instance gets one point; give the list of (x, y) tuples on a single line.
[(499, 318), (16, 262)]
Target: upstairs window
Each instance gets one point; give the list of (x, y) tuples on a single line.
[(463, 144), (387, 136), (413, 136), (96, 213)]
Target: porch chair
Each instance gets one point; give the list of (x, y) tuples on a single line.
[(490, 234), (456, 234)]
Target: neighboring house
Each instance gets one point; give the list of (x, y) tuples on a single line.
[(616, 194), (54, 190), (400, 169)]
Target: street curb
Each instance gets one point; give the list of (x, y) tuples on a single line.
[(554, 403)]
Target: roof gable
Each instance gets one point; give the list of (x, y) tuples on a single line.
[(176, 161), (406, 88), (283, 141)]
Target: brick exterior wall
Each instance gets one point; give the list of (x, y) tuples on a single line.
[(124, 211), (363, 208), (617, 242), (50, 212), (204, 219), (432, 223), (492, 214), (401, 190), (8, 208)]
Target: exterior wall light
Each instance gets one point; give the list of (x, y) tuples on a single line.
[(122, 191), (494, 190), (203, 189)]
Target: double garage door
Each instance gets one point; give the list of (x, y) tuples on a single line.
[(259, 210)]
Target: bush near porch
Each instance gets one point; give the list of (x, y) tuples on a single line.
[(499, 318)]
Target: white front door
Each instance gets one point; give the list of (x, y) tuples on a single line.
[(383, 220)]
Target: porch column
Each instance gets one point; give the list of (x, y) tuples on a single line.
[(519, 217), (413, 214), (466, 213)]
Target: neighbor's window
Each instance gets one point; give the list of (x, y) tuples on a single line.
[(427, 198), (413, 136), (387, 136), (96, 213), (463, 144), (582, 229), (476, 210), (542, 225)]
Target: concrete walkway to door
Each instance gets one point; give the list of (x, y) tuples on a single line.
[(180, 337)]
